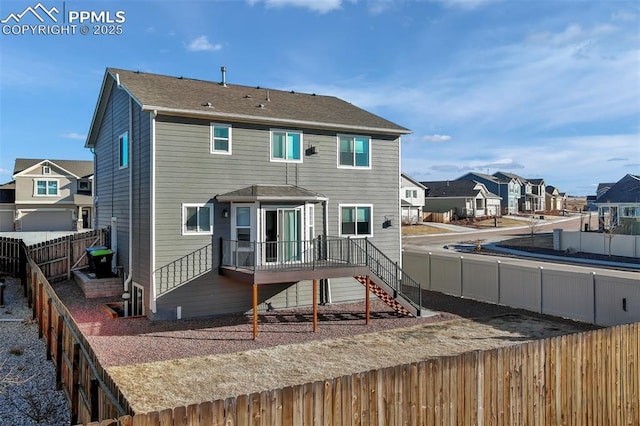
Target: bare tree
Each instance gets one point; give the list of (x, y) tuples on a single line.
[(534, 225), (8, 377)]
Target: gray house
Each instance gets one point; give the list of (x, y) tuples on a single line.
[(507, 188), (48, 195), (465, 198), (619, 206), (214, 191)]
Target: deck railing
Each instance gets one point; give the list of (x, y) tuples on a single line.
[(318, 253), (184, 269)]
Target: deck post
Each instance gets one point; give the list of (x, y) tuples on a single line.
[(255, 311), (315, 305), (367, 303)]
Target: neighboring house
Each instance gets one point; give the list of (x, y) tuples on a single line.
[(7, 205), (554, 199), (619, 206), (602, 188), (211, 189), (466, 198), (538, 191), (531, 195), (411, 198), (49, 195), (508, 189)]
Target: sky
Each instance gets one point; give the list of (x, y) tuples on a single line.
[(544, 89)]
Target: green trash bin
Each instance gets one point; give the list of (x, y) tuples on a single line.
[(101, 260)]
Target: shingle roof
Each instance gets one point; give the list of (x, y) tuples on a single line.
[(510, 176), (536, 181), (412, 180), (178, 96), (79, 168), (626, 190), (271, 192), (452, 188), (480, 175)]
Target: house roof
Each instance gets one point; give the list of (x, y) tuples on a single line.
[(181, 96), (271, 193), (536, 181), (510, 176), (412, 180), (481, 175), (626, 190), (78, 168), (452, 188), (9, 185)]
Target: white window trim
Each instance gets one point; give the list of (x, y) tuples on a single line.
[(183, 217), (141, 287), (341, 166), (46, 170), (284, 160), (340, 206), (46, 194), (211, 139), (88, 188), (120, 166)]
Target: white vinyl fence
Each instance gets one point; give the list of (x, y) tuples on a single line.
[(605, 297), (597, 242)]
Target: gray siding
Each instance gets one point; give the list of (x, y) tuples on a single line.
[(186, 172), (112, 183)]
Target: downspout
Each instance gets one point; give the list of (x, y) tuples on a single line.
[(152, 250), (327, 281)]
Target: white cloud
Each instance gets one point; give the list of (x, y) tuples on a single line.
[(436, 138), (624, 16), (320, 6), (5, 171), (202, 44), (73, 135)]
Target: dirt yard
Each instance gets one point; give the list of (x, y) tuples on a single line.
[(162, 364)]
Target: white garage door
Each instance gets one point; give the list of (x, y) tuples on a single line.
[(48, 221), (6, 220)]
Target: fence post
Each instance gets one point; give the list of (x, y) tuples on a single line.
[(23, 266), (429, 274), (595, 303), (498, 278), (541, 292), (461, 276), (69, 255)]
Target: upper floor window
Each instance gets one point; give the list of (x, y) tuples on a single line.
[(84, 185), (46, 170), (354, 151), (46, 187), (220, 139), (123, 144), (286, 146), (197, 219), (355, 220)]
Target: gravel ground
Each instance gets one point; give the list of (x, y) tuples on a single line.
[(27, 379)]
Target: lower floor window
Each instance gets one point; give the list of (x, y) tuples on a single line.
[(197, 219), (355, 220)]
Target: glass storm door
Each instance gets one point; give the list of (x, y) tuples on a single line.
[(283, 235)]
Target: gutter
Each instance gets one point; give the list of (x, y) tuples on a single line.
[(271, 120)]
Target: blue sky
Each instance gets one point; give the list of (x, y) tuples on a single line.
[(546, 89)]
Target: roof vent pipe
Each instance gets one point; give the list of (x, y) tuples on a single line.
[(224, 76)]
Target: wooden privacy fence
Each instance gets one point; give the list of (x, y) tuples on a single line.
[(59, 257), (91, 393), (10, 256), (589, 378)]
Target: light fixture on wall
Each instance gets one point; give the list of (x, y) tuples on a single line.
[(387, 222), (225, 213), (311, 150)]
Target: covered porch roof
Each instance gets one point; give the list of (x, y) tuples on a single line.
[(276, 193)]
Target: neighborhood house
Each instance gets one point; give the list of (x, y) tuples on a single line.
[(48, 195), (212, 189)]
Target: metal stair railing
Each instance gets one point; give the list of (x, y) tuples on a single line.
[(184, 269), (390, 273)]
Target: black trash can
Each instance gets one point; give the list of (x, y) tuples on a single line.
[(101, 262), (92, 266)]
